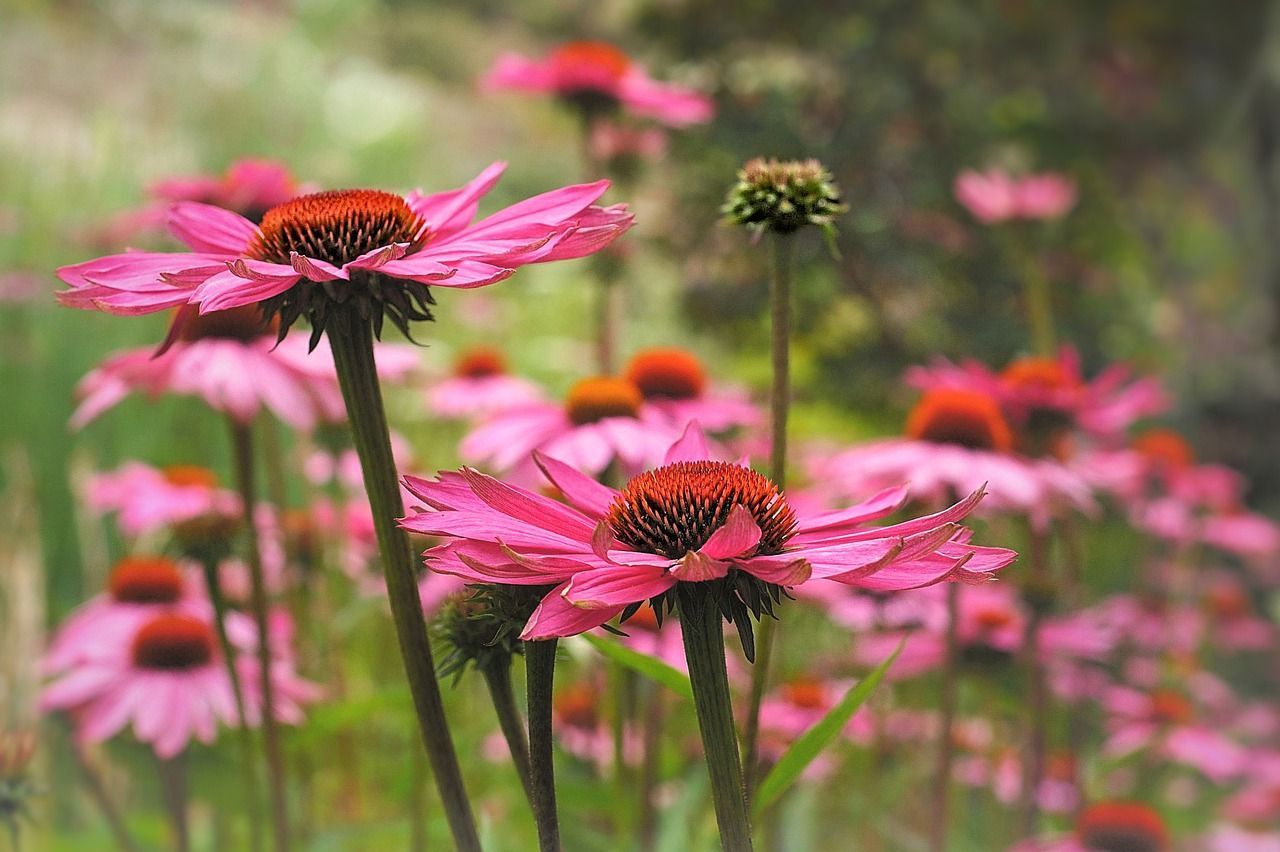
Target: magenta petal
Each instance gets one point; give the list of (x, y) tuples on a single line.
[(739, 534), (379, 256), (616, 586), (792, 573), (211, 229), (548, 208), (581, 491), (691, 446), (446, 213), (695, 567), (555, 617), (314, 269)]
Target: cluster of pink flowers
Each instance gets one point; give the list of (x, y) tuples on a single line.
[(995, 196)]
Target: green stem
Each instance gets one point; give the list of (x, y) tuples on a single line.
[(1038, 699), (704, 652), (540, 662), (498, 679), (651, 750), (780, 251), (1039, 304), (242, 445), (173, 787), (351, 339), (245, 734), (102, 798), (946, 742), (417, 800)]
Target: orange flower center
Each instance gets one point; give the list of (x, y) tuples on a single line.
[(673, 510), (1061, 765), (145, 579), (576, 706), (1165, 449), (596, 398), (190, 476), (480, 363), (1036, 374), (967, 418), (1122, 827), (591, 58), (336, 226), (1170, 708), (1227, 602), (806, 692), (992, 618), (173, 643), (667, 374), (244, 323)]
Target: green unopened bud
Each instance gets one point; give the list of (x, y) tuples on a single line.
[(783, 196), (481, 626)]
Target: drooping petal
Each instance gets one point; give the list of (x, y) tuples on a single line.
[(211, 229), (616, 586), (739, 534), (555, 617)]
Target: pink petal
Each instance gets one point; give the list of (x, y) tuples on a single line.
[(616, 586), (691, 446), (211, 229), (581, 491), (739, 534), (555, 617), (696, 567)]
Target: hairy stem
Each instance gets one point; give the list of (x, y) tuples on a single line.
[(242, 446), (498, 679), (704, 652), (540, 661), (351, 339)]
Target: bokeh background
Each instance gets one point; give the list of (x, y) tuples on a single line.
[(1167, 115)]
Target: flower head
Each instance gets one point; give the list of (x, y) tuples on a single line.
[(480, 386), (1122, 827), (691, 520), (783, 196), (16, 788), (597, 78), (374, 251), (147, 498)]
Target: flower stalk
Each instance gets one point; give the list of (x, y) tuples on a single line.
[(351, 340), (498, 680), (173, 787), (540, 661), (947, 714), (242, 447), (708, 675)]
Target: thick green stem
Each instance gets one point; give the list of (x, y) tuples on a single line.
[(780, 250), (501, 692), (249, 768), (351, 339), (704, 652), (540, 663), (1038, 699), (946, 741), (242, 445), (173, 788)]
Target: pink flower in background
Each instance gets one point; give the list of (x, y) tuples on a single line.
[(674, 384), (1000, 770), (480, 386), (582, 731), (231, 360), (1102, 407), (611, 142), (330, 237), (599, 76), (1165, 722), (609, 549), (664, 642), (166, 679), (147, 498), (994, 196), (957, 441), (602, 421)]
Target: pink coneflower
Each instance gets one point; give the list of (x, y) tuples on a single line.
[(1165, 721), (602, 421), (167, 680), (957, 440), (582, 730), (624, 146), (693, 520), (328, 248), (674, 383), (138, 588), (1046, 394), (995, 196), (146, 499), (598, 77), (1000, 769), (480, 386)]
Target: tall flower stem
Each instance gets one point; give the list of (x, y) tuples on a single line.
[(242, 447), (540, 662), (946, 741), (101, 795), (498, 679), (351, 339), (248, 762), (708, 675), (780, 252), (173, 787), (1035, 290), (1038, 698)]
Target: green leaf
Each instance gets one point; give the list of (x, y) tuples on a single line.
[(652, 668), (811, 743)]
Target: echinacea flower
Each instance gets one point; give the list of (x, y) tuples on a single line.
[(146, 499), (692, 520), (784, 196), (674, 383), (995, 196), (597, 78), (232, 361), (603, 420), (375, 250), (1165, 721), (957, 440), (480, 385), (166, 678)]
